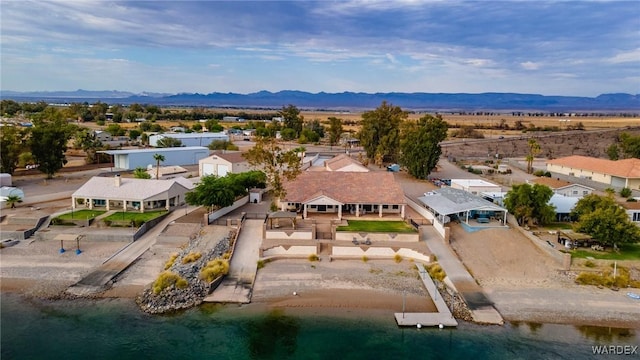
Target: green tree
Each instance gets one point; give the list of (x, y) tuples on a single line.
[(12, 200), (278, 164), (212, 125), (134, 134), (86, 140), (335, 130), (48, 144), (11, 146), (141, 173), (612, 152), (530, 203), (158, 158), (420, 144), (167, 142), (218, 192), (292, 119), (625, 192), (630, 145), (197, 127), (534, 149), (604, 220), (222, 145), (380, 132), (115, 130), (288, 134), (9, 107)]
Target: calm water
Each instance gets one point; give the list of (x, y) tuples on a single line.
[(116, 329)]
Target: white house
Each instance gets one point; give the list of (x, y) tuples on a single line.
[(475, 186), (222, 163), (344, 162), (128, 194), (190, 139), (130, 159), (564, 188), (633, 210)]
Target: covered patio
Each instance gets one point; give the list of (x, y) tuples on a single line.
[(448, 204)]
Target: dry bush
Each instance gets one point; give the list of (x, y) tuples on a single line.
[(171, 260), (167, 279), (214, 268), (191, 257)]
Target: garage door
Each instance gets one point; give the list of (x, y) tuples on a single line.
[(223, 170), (618, 182), (207, 169)]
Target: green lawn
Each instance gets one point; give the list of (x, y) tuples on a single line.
[(377, 226), (81, 215), (627, 252), (135, 216)]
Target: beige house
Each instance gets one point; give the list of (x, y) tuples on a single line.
[(128, 194), (344, 162), (475, 186), (337, 192), (618, 173), (564, 188), (222, 163)]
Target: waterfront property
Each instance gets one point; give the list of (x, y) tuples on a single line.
[(130, 159), (449, 204), (344, 162), (618, 173), (336, 192), (126, 194)]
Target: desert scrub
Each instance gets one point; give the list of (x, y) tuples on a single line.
[(213, 269), (589, 264), (191, 257), (167, 279), (397, 258), (226, 255), (436, 272), (171, 261), (313, 257), (375, 271), (605, 278)]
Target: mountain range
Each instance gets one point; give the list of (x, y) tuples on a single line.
[(347, 100)]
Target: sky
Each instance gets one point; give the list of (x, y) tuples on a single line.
[(579, 48)]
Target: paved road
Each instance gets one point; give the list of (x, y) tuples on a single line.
[(238, 284), (100, 277)]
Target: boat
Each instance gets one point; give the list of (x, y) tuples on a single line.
[(633, 295)]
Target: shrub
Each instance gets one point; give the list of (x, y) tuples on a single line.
[(589, 264), (436, 272), (226, 255), (214, 268), (313, 257), (167, 279), (397, 258), (261, 264), (365, 258), (605, 278), (191, 257), (625, 192), (171, 260), (538, 173)]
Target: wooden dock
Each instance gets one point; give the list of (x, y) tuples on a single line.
[(440, 318)]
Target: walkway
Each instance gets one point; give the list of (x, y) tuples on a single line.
[(98, 279), (238, 284), (481, 307)]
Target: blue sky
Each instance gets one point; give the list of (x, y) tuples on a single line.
[(580, 48)]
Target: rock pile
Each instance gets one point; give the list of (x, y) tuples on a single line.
[(173, 298), (456, 304)]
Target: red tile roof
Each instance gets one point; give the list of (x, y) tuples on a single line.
[(627, 168), (376, 187), (553, 183)]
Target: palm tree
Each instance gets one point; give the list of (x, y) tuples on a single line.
[(12, 200), (158, 158)]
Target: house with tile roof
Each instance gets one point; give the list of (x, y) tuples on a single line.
[(223, 162), (562, 187), (344, 162), (617, 173), (337, 192), (129, 194)]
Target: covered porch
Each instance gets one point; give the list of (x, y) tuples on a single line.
[(326, 205), (127, 205)]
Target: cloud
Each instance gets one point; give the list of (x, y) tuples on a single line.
[(632, 56), (530, 65)]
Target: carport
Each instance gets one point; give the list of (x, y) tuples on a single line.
[(447, 202), (69, 237)]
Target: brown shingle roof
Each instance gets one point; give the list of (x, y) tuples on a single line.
[(232, 157), (627, 168), (346, 187)]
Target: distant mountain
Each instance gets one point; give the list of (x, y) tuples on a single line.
[(350, 100)]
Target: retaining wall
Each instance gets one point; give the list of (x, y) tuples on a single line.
[(377, 252), (289, 235), (362, 236), (224, 211)]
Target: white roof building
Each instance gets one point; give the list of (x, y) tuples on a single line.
[(475, 186), (128, 194), (190, 139), (132, 158)]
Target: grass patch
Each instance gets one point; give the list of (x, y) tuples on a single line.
[(627, 252), (377, 226), (136, 217), (261, 264), (81, 215)]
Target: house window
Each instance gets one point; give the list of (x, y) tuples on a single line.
[(99, 202), (575, 192), (385, 206), (395, 207), (636, 216), (312, 206), (585, 192)]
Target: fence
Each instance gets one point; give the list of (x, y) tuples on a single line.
[(225, 210), (149, 225)]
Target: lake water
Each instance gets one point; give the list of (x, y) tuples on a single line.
[(116, 329)]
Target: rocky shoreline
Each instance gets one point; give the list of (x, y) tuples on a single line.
[(174, 298)]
